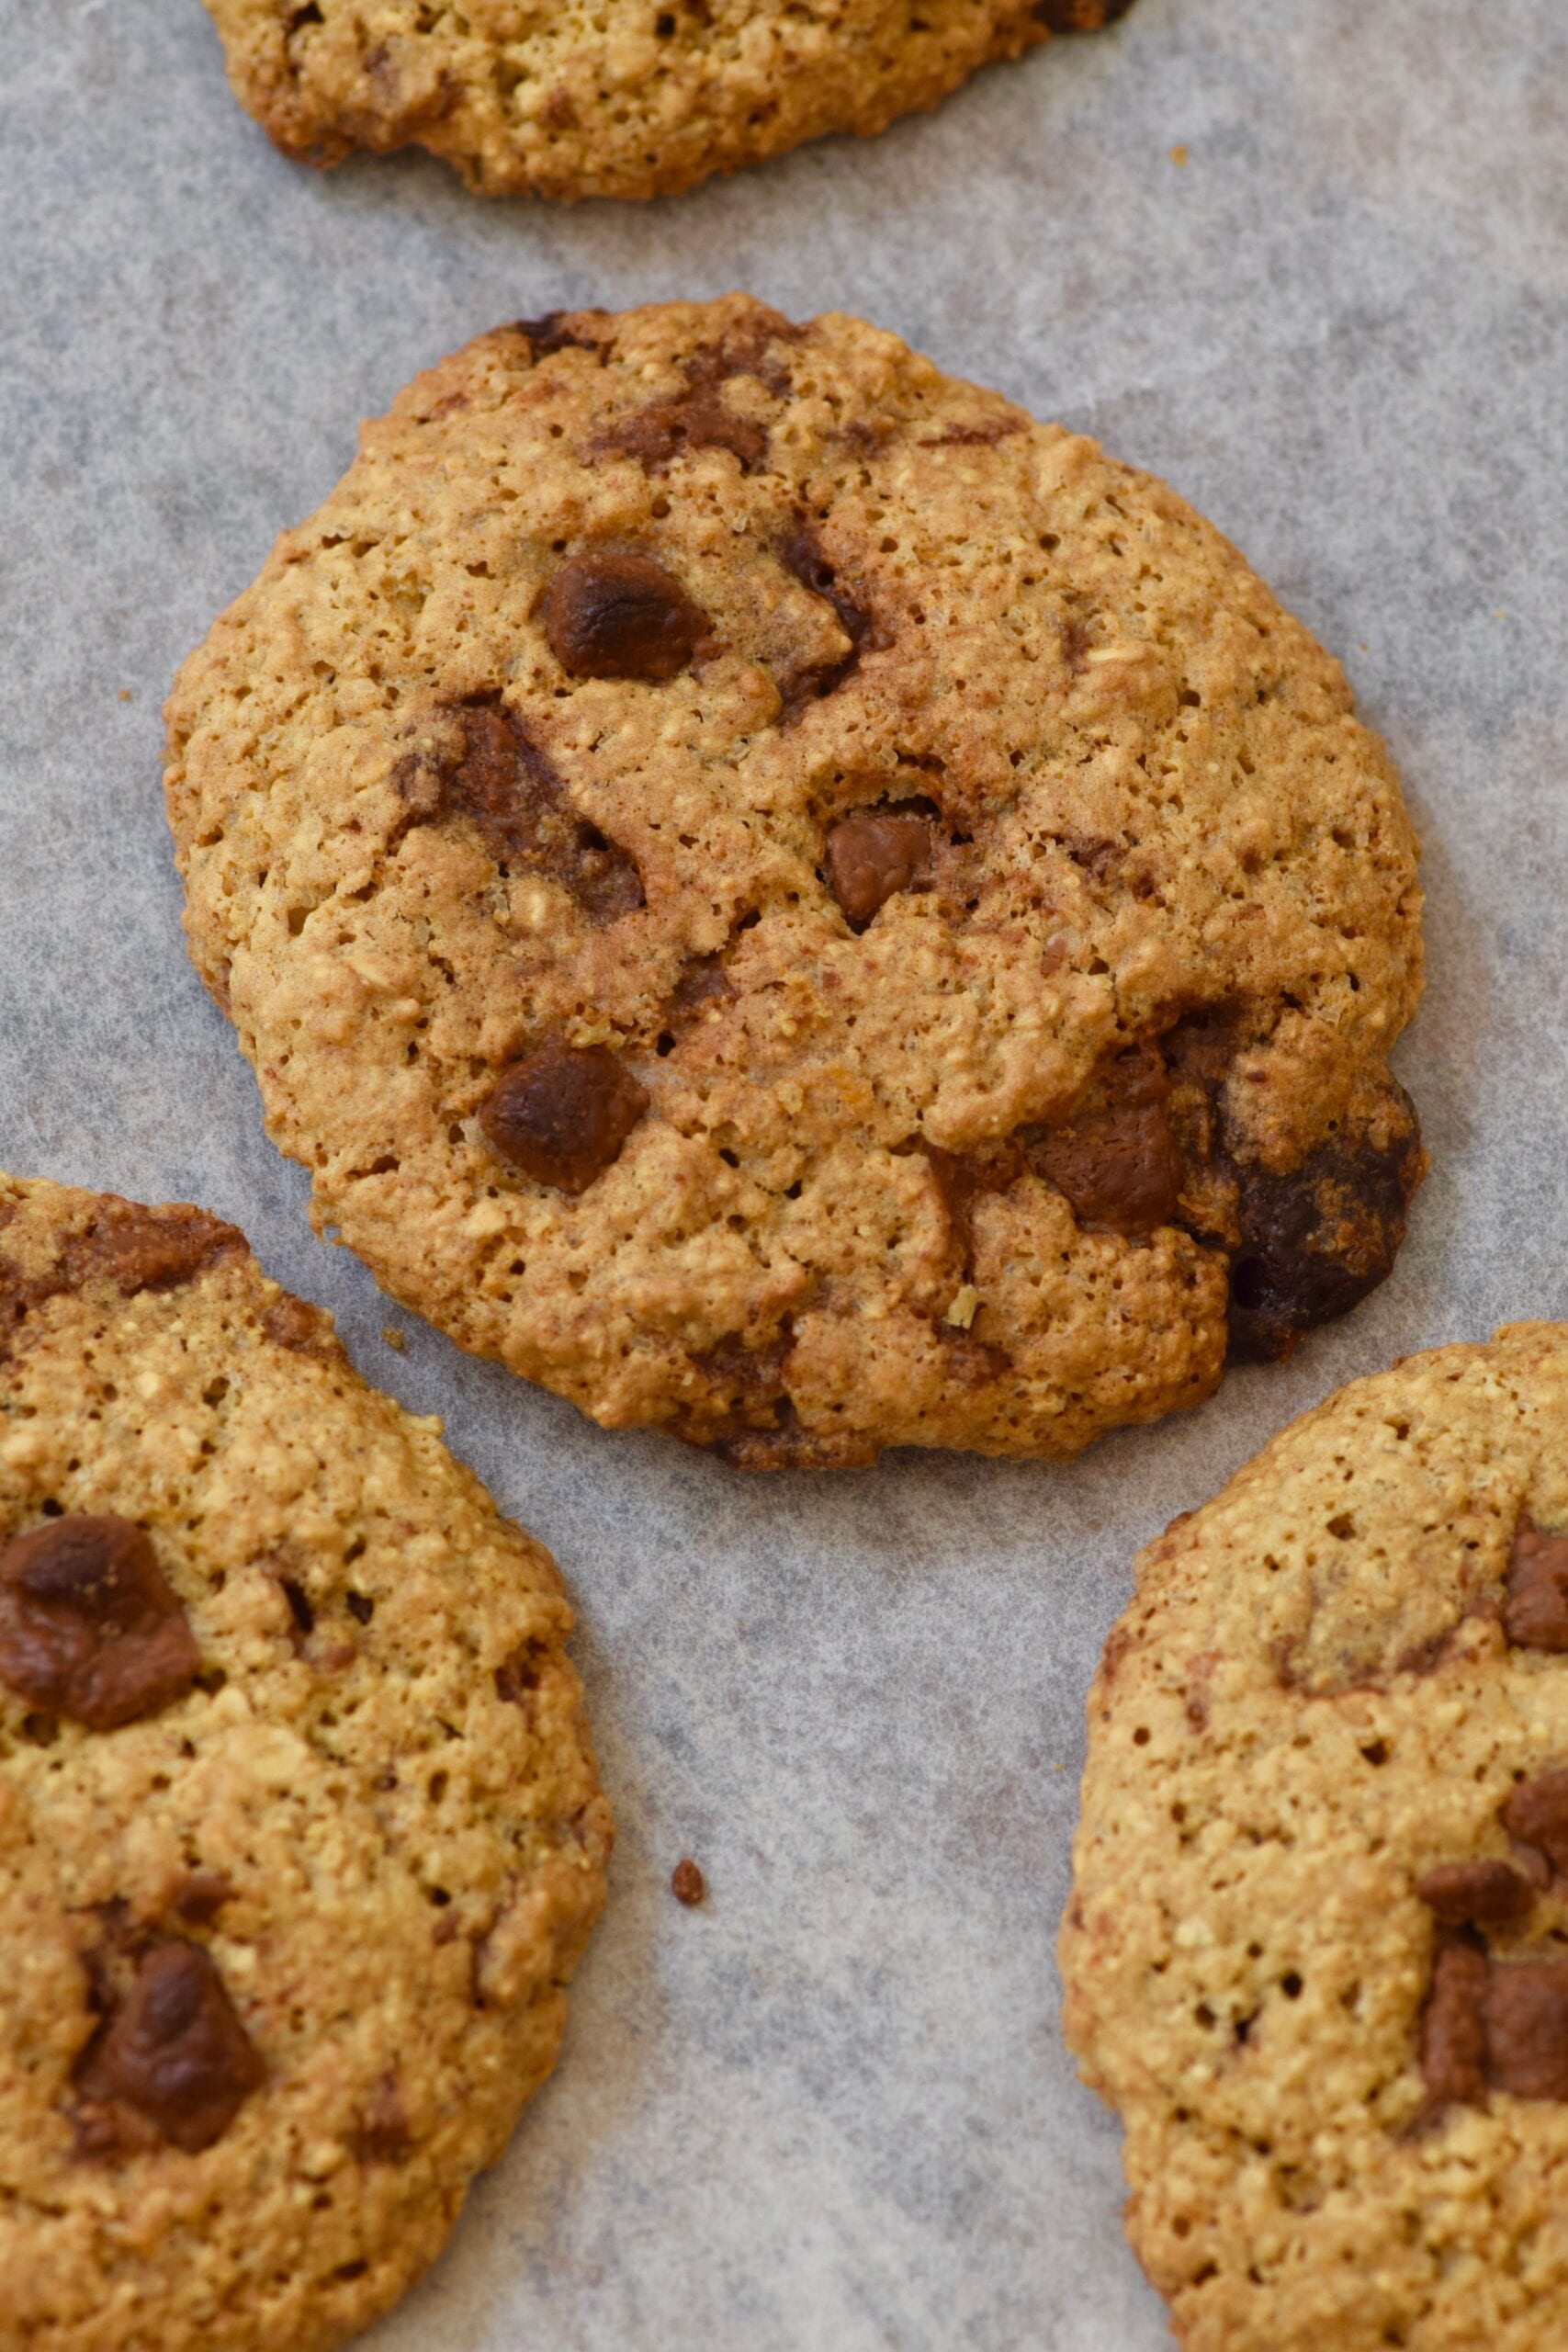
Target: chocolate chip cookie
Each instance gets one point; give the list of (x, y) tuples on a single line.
[(1317, 1948), (300, 1830), (617, 100), (794, 904)]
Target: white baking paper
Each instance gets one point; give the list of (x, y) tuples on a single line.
[(830, 2111)]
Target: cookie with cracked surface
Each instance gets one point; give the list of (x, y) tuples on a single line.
[(791, 903), (1316, 1952), (623, 99), (299, 1829)]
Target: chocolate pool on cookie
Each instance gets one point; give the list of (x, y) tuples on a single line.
[(797, 906), (1316, 1953), (300, 1830)]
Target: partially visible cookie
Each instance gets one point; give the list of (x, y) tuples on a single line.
[(300, 1830), (1317, 1948), (797, 906), (620, 99)]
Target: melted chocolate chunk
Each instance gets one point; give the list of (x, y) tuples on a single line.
[(1314, 1243), (90, 1627), (1537, 1814), (1458, 1892), (551, 332), (1453, 2033), (175, 2051), (131, 1248), (1116, 1159), (1525, 2011), (507, 789), (518, 1676), (200, 1896), (1079, 15), (872, 857), (1535, 1608), (621, 617), (803, 557), (562, 1115), (699, 418)]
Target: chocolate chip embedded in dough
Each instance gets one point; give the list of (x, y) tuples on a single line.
[(1537, 1814), (1458, 1892), (562, 1115), (621, 617), (1535, 1605), (1453, 2034), (89, 1626), (870, 858), (1525, 2011), (175, 2052), (1116, 1159), (1079, 15)]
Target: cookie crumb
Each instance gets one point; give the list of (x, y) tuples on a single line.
[(687, 1883), (1178, 156), (393, 1337), (126, 694)]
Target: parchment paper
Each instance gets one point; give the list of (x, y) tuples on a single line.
[(832, 2108)]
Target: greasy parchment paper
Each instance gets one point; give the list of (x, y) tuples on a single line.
[(831, 2109)]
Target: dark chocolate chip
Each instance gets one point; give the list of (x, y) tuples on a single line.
[(563, 1114), (621, 617), (1458, 1892), (699, 418), (509, 791), (200, 1896), (518, 1676), (89, 1626), (1537, 1814), (175, 2051), (1453, 2033), (1525, 2011), (131, 1247), (1116, 1159), (560, 330), (1314, 1243), (872, 857), (1535, 1609)]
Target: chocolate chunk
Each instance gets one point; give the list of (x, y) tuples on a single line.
[(1453, 2034), (382, 2135), (699, 418), (1535, 1609), (1458, 1892), (1525, 2011), (555, 331), (621, 617), (803, 557), (304, 1330), (200, 1896), (131, 1247), (1314, 1243), (687, 1883), (562, 1115), (1537, 1814), (175, 2051), (518, 1676), (508, 790), (870, 858), (1116, 1159), (89, 1626)]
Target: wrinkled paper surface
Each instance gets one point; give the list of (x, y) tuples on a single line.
[(832, 2108)]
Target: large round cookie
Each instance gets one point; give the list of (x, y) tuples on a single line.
[(1317, 1949), (300, 1830), (790, 902), (617, 99)]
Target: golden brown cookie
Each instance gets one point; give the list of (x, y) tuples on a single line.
[(1317, 1948), (300, 1830), (612, 100), (794, 904)]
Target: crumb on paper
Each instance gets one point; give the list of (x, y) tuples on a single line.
[(687, 1883), (126, 694), (1178, 155), (393, 1337)]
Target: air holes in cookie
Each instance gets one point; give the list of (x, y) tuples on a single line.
[(1291, 1985), (439, 1783), (1377, 1752), (439, 1896), (360, 1606), (1342, 1527), (1140, 1736)]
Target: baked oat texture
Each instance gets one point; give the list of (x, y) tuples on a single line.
[(1316, 1950), (618, 99), (792, 903), (300, 1830)]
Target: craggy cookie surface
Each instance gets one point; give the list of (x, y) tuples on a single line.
[(627, 97), (300, 1830), (788, 901), (1317, 1949)]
